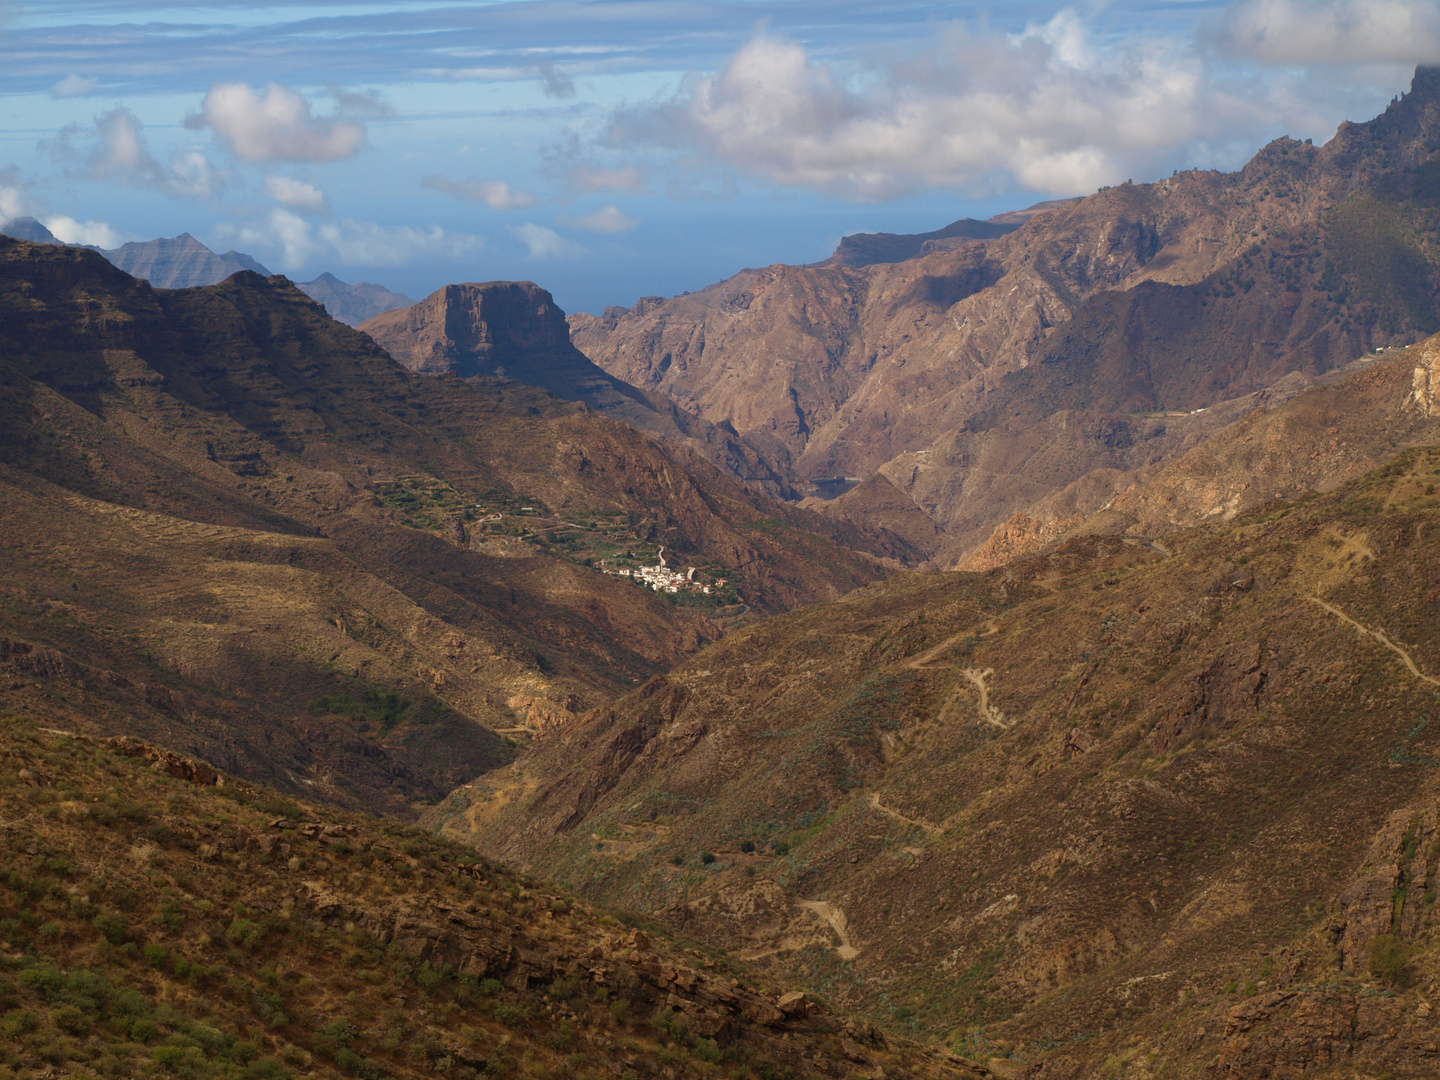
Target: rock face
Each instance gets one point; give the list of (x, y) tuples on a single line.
[(1024, 361), (513, 331), (352, 304), (180, 262)]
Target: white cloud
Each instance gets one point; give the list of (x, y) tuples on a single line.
[(496, 194), (546, 243), (1050, 108), (296, 194), (1332, 31), (608, 219), (69, 231), (349, 243), (275, 126), (13, 201), (119, 151), (73, 86)]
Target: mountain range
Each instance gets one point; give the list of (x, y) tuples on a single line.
[(982, 375), (182, 262)]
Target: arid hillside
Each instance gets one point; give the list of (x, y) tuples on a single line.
[(160, 920), (237, 527), (980, 378), (1147, 804)]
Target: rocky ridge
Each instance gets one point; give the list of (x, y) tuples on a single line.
[(979, 380), (236, 527)]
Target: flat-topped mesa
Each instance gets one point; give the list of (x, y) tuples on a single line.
[(499, 328)]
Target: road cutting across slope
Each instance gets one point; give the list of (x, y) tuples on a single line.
[(875, 804), (1379, 635)]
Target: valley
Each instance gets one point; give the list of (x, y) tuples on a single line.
[(1002, 652)]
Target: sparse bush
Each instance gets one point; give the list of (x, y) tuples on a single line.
[(1388, 959), (707, 857), (707, 1050), (112, 927), (747, 846), (511, 1014)]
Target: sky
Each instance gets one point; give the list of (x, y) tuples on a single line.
[(613, 149)]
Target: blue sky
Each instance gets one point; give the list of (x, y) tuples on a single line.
[(610, 149)]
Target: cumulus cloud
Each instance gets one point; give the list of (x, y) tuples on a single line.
[(277, 125), (349, 242), (1049, 108), (73, 86), (119, 151), (546, 243), (608, 219), (297, 194), (496, 194), (1332, 31), (69, 231)]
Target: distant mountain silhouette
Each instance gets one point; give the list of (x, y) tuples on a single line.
[(352, 304), (27, 228)]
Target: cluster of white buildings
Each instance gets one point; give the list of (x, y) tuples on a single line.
[(662, 578)]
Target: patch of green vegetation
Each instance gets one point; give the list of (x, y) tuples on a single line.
[(383, 709), (1376, 261)]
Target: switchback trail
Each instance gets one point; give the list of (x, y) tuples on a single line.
[(1379, 635), (836, 918), (928, 656), (875, 804)]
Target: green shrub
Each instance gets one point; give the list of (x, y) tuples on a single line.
[(244, 932), (155, 955), (747, 846), (620, 1010), (19, 1022), (1388, 959), (707, 1050), (112, 927), (707, 857), (70, 1020), (511, 1014)]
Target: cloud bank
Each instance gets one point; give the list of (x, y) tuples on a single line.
[(348, 242), (277, 125), (1331, 31), (1047, 109)]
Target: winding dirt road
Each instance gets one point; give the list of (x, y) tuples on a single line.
[(1379, 635)]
